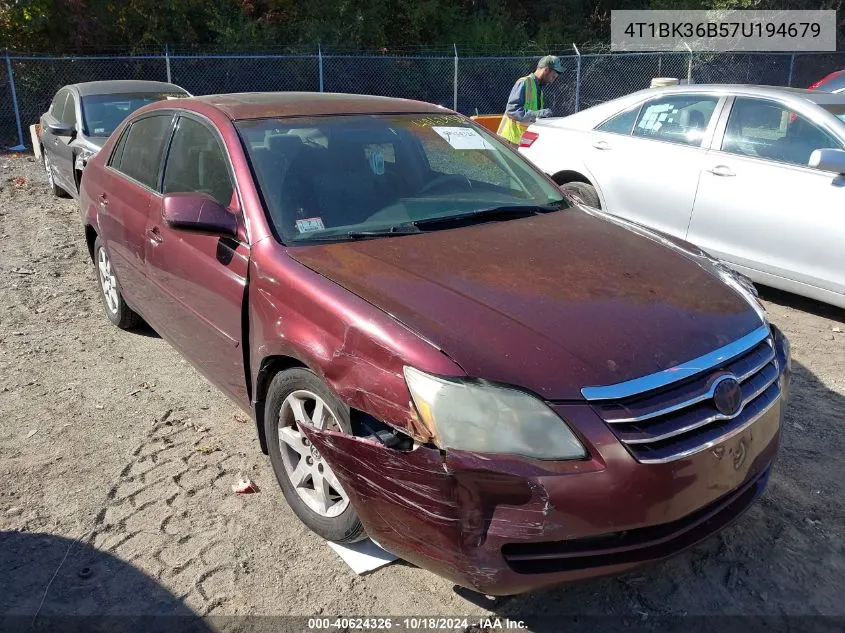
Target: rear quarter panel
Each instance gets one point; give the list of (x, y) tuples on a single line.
[(556, 149)]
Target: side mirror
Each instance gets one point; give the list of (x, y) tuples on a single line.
[(828, 159), (198, 213), (61, 129)]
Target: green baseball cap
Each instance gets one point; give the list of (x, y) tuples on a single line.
[(550, 61)]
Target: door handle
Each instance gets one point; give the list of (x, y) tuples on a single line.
[(104, 201), (601, 145), (155, 235), (721, 170)]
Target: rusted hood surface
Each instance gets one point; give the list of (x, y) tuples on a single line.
[(551, 303)]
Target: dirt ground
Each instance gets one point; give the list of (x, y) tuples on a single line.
[(117, 460)]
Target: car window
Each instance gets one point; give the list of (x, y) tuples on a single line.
[(677, 119), (321, 178), (68, 115), (621, 123), (836, 109), (197, 163), (767, 130), (58, 105), (117, 152), (142, 151), (101, 114)]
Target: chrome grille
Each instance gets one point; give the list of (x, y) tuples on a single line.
[(675, 419)]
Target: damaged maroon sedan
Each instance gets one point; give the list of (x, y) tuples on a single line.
[(440, 350)]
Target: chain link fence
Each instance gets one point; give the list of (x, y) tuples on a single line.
[(472, 85), (248, 73)]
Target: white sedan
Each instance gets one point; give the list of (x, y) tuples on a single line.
[(753, 175)]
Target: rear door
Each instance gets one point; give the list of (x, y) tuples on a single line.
[(128, 186), (199, 280), (647, 160), (763, 209)]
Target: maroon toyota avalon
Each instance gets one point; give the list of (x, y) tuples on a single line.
[(441, 351)]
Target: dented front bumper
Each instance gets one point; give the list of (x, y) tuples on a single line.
[(503, 525)]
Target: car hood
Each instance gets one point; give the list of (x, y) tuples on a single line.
[(551, 303)]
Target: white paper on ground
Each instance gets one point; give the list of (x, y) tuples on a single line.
[(363, 556)]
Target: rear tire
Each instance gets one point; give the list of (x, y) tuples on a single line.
[(307, 482), (117, 311), (584, 193)]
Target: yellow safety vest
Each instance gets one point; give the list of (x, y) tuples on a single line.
[(513, 130)]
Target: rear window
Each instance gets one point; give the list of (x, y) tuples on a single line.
[(621, 123), (141, 154), (680, 119)]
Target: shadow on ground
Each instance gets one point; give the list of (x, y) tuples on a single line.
[(146, 331), (51, 584), (783, 298), (780, 567)]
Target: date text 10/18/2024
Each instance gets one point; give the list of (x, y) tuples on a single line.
[(414, 624)]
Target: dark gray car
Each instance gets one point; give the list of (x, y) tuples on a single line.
[(81, 118)]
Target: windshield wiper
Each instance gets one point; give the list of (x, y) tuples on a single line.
[(505, 212), (418, 226), (399, 229)]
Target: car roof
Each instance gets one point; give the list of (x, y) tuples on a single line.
[(751, 90), (258, 105), (118, 86)]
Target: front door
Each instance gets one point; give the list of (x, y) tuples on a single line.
[(761, 207), (63, 151), (199, 279), (55, 146)]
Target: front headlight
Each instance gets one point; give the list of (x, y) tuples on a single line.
[(491, 419)]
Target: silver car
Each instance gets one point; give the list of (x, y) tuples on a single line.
[(80, 119), (753, 175)]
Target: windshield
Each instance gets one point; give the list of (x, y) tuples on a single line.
[(101, 114), (837, 110), (342, 177)]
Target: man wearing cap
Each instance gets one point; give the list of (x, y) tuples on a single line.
[(525, 104)]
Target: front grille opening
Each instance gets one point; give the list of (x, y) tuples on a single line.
[(743, 365), (680, 419), (709, 434)]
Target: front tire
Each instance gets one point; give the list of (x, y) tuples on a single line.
[(584, 192), (312, 490), (117, 311)]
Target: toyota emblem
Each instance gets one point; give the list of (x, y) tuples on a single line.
[(727, 396)]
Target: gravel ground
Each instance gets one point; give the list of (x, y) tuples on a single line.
[(117, 460)]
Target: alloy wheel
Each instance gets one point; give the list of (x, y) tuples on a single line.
[(310, 475), (108, 283)]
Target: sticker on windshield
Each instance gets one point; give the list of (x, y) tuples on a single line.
[(462, 137), (377, 163), (308, 225)]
